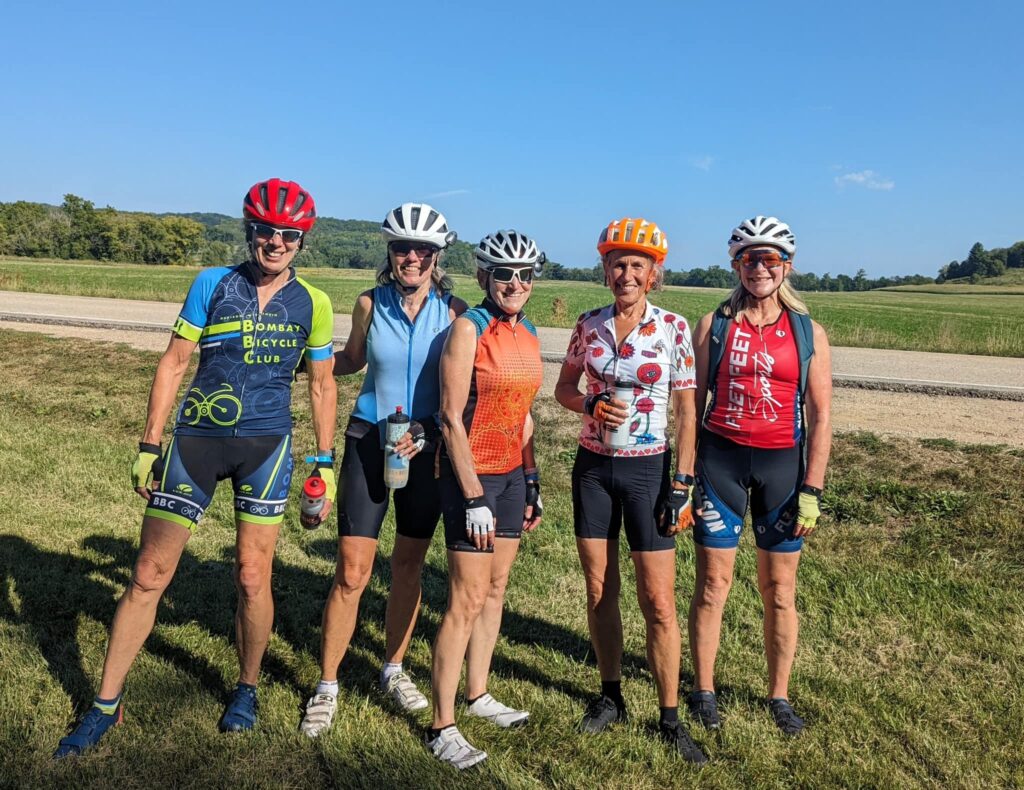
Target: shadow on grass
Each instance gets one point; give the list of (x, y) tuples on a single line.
[(55, 588)]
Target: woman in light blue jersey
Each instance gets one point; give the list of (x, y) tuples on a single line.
[(398, 331)]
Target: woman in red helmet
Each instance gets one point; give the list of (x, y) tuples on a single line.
[(254, 324), (637, 360)]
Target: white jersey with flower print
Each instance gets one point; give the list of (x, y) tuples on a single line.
[(657, 356)]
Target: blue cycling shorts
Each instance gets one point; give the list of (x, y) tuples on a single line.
[(732, 476), (259, 467)]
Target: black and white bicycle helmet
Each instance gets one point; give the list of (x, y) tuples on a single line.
[(762, 230), (508, 248), (417, 222)]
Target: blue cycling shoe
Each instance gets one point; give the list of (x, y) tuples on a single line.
[(240, 713), (87, 734)]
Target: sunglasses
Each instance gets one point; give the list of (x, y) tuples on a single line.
[(267, 232), (403, 248), (770, 259), (505, 274)]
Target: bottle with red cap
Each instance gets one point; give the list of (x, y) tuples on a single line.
[(314, 495)]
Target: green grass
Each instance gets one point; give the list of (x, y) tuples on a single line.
[(969, 322), (910, 666)]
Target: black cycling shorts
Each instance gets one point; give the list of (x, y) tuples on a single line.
[(260, 468), (608, 490), (729, 476), (505, 495), (363, 500)]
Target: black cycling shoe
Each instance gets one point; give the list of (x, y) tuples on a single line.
[(785, 717), (601, 712), (703, 708), (678, 737)]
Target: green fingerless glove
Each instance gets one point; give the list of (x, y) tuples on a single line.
[(808, 510), (142, 469), (326, 473)]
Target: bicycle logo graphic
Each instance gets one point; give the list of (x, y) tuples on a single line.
[(190, 512), (220, 406)]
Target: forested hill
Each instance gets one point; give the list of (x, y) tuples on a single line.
[(77, 229)]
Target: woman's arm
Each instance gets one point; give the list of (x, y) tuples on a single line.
[(169, 372), (352, 358), (567, 388), (456, 376), (701, 356), (819, 410)]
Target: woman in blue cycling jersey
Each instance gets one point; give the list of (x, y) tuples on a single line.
[(254, 324), (766, 365), (398, 331)]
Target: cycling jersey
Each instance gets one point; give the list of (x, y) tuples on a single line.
[(402, 358), (657, 357), (755, 395), (507, 373), (248, 358)]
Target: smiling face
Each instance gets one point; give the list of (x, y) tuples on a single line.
[(272, 253), (761, 281), (412, 264), (510, 296), (630, 275)]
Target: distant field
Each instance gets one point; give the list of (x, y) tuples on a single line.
[(954, 319), (909, 671)]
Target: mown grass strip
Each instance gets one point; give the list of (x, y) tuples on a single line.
[(910, 666)]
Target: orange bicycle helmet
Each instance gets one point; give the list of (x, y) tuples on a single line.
[(635, 234)]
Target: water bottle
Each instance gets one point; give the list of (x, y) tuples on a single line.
[(396, 468), (314, 493), (619, 437)]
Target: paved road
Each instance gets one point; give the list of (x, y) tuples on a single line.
[(893, 370)]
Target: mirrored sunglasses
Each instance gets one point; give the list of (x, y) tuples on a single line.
[(505, 274), (770, 259), (403, 248), (267, 232)]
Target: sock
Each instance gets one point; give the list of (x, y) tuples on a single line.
[(433, 732), (327, 687), (387, 671), (669, 715), (107, 706), (471, 701), (612, 689), (250, 686)]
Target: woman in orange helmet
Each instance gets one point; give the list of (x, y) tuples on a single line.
[(638, 359)]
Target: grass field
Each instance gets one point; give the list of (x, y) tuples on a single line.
[(968, 322), (910, 667)]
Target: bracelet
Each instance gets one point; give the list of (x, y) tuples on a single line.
[(321, 457), (686, 480), (531, 475), (146, 447), (806, 489)]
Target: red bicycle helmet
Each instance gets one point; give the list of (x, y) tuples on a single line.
[(280, 203)]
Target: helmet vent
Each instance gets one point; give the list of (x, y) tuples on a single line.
[(282, 197), (300, 201), (415, 218), (264, 200), (432, 218)]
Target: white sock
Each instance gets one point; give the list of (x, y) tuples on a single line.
[(387, 671), (327, 687)]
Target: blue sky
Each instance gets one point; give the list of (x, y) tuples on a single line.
[(887, 134)]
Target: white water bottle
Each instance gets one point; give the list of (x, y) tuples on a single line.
[(396, 468), (619, 437)]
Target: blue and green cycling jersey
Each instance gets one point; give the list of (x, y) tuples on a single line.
[(247, 359)]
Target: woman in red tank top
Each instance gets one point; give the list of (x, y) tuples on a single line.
[(773, 365)]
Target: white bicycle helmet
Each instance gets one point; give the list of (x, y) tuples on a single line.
[(508, 248), (417, 222), (762, 230)]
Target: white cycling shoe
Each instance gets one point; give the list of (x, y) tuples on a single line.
[(487, 707), (319, 715), (404, 693), (451, 747)]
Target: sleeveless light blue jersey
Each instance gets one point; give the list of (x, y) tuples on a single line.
[(402, 359)]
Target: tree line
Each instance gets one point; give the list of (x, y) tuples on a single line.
[(77, 229)]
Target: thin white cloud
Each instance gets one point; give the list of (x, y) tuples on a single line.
[(448, 193), (868, 179), (702, 162)]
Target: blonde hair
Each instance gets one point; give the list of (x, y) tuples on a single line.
[(439, 278), (788, 298)]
